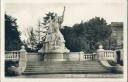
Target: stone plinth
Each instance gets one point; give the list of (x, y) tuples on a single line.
[(54, 56), (67, 56)]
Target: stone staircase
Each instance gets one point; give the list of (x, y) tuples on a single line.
[(66, 67)]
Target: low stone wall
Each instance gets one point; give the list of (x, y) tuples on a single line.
[(34, 57), (75, 56), (71, 56)]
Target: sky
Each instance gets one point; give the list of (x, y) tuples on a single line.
[(29, 13)]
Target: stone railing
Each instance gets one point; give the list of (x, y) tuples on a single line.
[(19, 56), (90, 56), (106, 54), (12, 55)]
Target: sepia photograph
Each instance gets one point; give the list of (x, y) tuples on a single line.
[(64, 39)]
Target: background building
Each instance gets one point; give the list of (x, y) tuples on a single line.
[(117, 35)]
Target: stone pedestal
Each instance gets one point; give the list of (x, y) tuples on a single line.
[(54, 56), (55, 53)]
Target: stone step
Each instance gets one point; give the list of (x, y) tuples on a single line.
[(65, 67), (88, 68), (68, 71), (64, 62), (59, 64), (38, 66), (55, 63), (80, 67)]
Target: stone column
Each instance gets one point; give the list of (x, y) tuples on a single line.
[(23, 59), (100, 52)]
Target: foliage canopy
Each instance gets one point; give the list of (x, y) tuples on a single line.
[(86, 36), (12, 35)]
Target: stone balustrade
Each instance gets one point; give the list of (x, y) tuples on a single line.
[(12, 55), (19, 56), (90, 56), (106, 54)]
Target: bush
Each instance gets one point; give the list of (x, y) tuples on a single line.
[(11, 68), (112, 63)]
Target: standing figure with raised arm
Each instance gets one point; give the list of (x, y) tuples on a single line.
[(54, 38)]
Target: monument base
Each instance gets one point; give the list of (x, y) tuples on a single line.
[(56, 56)]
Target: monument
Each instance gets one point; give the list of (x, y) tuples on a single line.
[(54, 44)]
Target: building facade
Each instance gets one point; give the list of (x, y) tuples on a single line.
[(117, 35)]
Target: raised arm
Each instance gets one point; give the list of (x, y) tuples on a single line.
[(63, 13)]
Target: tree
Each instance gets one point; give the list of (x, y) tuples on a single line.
[(12, 35), (40, 35), (86, 36), (35, 37), (73, 40), (31, 41), (96, 31)]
